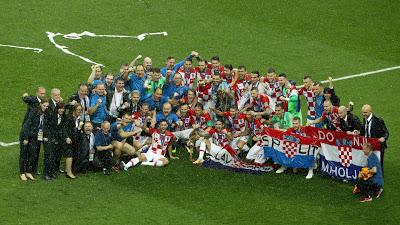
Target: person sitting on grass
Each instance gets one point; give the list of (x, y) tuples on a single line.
[(162, 140), (370, 179)]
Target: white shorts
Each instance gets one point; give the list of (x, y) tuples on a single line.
[(236, 139), (256, 153), (152, 157), (183, 134)]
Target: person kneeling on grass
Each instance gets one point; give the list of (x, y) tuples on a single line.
[(161, 143), (370, 179)]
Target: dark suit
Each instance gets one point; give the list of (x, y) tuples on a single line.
[(352, 123), (59, 141), (81, 159), (74, 134), (78, 100), (25, 160), (378, 130), (32, 103), (29, 131)]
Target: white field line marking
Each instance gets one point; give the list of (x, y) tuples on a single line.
[(75, 36), (2, 144), (37, 50), (363, 74), (359, 74)]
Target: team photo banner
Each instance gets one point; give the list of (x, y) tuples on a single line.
[(290, 150)]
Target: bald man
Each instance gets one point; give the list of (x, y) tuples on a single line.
[(166, 115), (374, 127), (348, 122)]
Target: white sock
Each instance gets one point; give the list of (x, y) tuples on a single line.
[(159, 163), (246, 148), (147, 163), (202, 149), (201, 155), (132, 162)]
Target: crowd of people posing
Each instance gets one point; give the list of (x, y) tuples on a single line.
[(140, 115)]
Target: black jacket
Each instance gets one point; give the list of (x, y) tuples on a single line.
[(32, 103), (378, 129), (30, 128), (352, 123)]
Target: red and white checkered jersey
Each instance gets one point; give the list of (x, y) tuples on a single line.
[(240, 88), (219, 137), (310, 98), (202, 75), (188, 75), (255, 126), (238, 122), (203, 119), (160, 141), (276, 90), (333, 117), (187, 121), (261, 104), (203, 92), (211, 71)]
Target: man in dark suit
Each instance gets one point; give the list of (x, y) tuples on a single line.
[(348, 122), (32, 103), (55, 98), (374, 127), (81, 97), (35, 132)]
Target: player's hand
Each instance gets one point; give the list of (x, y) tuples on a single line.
[(356, 132), (382, 139), (80, 125), (45, 139), (99, 101), (194, 53), (25, 142), (68, 140), (25, 95), (138, 57)]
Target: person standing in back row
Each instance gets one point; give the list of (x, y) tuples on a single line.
[(374, 127)]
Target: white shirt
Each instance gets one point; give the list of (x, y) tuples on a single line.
[(368, 126), (116, 102)]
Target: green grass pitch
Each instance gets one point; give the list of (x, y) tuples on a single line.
[(321, 38)]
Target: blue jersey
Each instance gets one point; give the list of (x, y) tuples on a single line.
[(170, 118), (153, 104), (114, 131), (101, 139), (100, 114), (136, 84), (373, 161), (319, 108), (173, 91)]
